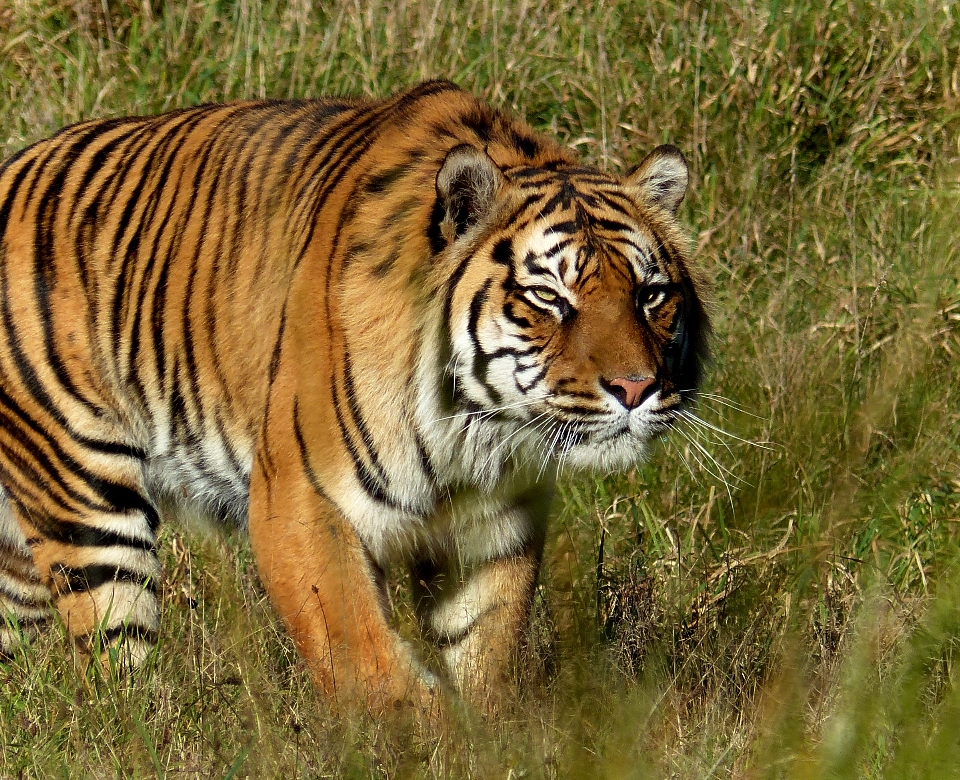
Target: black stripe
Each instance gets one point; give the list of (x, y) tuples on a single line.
[(358, 420), (576, 409), (557, 248), (480, 363), (610, 224), (235, 464), (367, 480), (503, 252), (566, 228), (7, 204), (79, 535), (86, 578), (434, 233), (425, 462), (532, 266), (378, 183), (26, 482), (500, 352), (305, 457), (566, 194), (509, 224), (45, 279), (125, 500), (524, 172), (114, 493), (614, 201), (112, 636), (517, 319), (544, 367), (9, 163)]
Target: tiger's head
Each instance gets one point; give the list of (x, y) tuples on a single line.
[(574, 320)]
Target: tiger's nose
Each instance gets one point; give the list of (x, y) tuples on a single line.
[(630, 392)]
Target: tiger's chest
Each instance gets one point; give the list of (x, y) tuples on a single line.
[(211, 476)]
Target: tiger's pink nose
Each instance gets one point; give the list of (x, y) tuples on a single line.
[(630, 392)]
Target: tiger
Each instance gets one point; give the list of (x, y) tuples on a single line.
[(369, 332)]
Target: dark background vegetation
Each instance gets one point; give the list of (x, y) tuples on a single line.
[(775, 594)]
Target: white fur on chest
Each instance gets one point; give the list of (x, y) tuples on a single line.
[(472, 524), (469, 525)]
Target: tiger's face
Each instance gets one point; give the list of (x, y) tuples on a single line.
[(585, 334)]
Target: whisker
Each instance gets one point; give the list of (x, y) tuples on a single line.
[(721, 470), (538, 438), (548, 450), (572, 430), (563, 443), (489, 461), (718, 477), (699, 445), (696, 430), (693, 418), (728, 403), (683, 460)]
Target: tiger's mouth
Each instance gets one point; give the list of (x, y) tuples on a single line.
[(616, 440), (590, 442)]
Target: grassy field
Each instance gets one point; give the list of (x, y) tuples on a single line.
[(776, 594)]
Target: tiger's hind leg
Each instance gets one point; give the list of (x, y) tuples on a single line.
[(25, 601), (92, 539)]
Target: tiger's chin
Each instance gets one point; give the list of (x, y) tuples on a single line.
[(619, 452)]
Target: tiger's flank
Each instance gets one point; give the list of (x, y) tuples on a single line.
[(369, 331)]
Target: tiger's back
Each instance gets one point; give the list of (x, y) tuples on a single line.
[(265, 289)]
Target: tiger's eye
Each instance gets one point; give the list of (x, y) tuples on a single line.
[(650, 297), (545, 294)]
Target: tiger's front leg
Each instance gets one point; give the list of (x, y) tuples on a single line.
[(331, 595), (477, 613)]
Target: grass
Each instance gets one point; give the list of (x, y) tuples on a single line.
[(778, 601)]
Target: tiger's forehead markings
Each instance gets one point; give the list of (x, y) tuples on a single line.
[(562, 187), (579, 243)]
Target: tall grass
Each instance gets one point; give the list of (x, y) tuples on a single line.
[(776, 593)]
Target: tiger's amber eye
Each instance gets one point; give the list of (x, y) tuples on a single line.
[(545, 294)]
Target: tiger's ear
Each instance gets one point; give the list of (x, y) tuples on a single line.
[(661, 179), (467, 185)]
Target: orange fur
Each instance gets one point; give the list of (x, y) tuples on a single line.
[(368, 329)]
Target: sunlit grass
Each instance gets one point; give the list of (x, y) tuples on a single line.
[(774, 594)]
